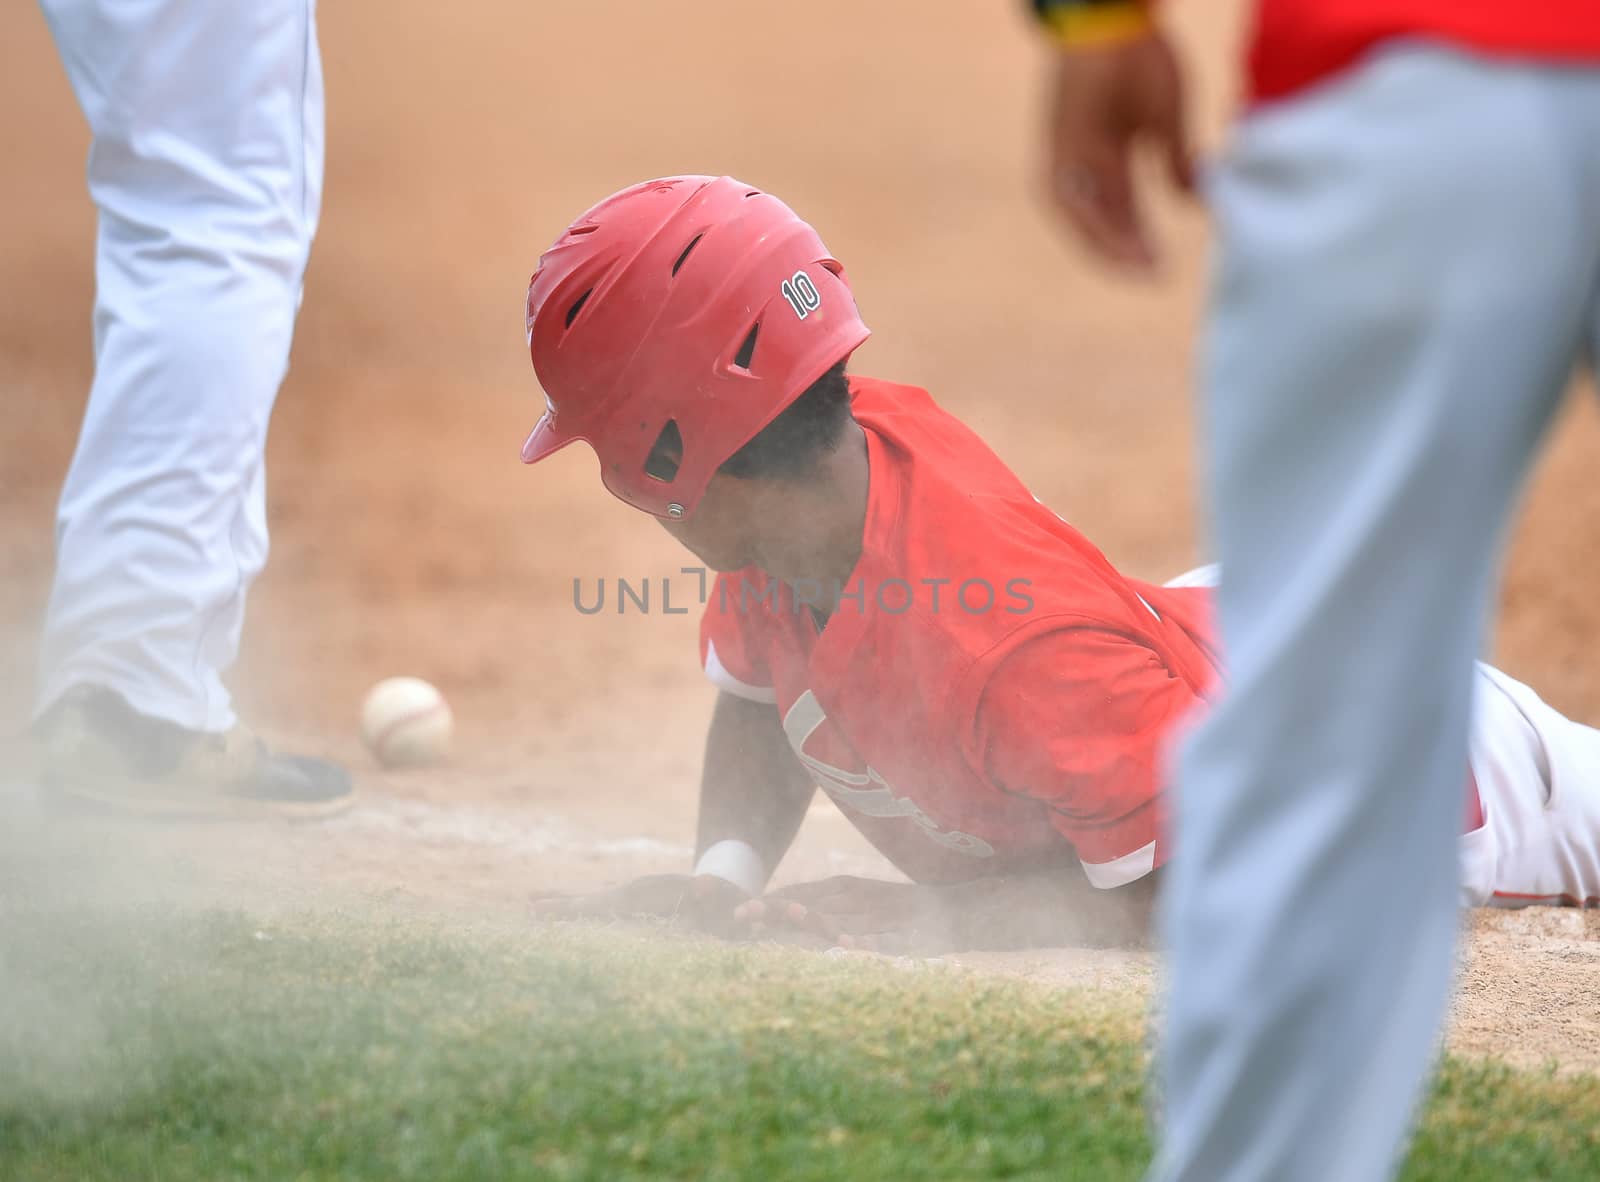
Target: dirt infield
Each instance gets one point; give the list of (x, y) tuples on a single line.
[(408, 539)]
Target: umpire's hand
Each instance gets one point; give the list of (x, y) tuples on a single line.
[(1105, 99)]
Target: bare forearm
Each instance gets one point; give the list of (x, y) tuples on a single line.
[(753, 789)]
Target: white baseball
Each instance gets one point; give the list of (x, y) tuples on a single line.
[(406, 722)]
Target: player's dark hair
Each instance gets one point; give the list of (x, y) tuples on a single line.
[(795, 442), (788, 448)]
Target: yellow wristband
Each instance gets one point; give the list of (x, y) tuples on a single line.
[(1092, 25)]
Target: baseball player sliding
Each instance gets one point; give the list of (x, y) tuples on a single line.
[(900, 622)]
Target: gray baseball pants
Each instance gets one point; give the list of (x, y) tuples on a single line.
[(1409, 260)]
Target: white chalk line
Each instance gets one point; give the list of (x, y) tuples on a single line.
[(473, 825)]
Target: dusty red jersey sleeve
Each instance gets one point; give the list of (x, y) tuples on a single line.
[(736, 634), (1081, 718)]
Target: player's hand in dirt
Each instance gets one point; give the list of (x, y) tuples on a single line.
[(1105, 100), (870, 914), (1050, 907), (701, 902)]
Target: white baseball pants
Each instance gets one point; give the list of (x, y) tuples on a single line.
[(206, 170), (1536, 775)]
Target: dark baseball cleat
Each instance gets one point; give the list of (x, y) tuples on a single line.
[(96, 750)]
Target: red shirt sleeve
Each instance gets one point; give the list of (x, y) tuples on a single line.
[(1081, 718), (736, 635)]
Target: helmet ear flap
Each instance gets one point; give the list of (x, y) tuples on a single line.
[(666, 454)]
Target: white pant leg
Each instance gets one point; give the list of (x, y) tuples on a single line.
[(1408, 256), (206, 169), (1538, 775)]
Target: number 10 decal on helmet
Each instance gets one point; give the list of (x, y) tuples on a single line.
[(802, 294)]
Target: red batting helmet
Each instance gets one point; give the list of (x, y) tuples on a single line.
[(693, 301)]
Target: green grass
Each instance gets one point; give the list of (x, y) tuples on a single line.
[(343, 1047)]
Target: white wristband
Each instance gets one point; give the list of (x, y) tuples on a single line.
[(736, 862)]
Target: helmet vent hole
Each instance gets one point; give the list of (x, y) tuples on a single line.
[(747, 350), (693, 242), (572, 312), (667, 454)]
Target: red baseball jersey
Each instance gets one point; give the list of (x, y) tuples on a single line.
[(989, 693), (1297, 43)]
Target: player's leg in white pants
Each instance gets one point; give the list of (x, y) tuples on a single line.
[(206, 169), (1409, 259), (1538, 778), (1536, 774)]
